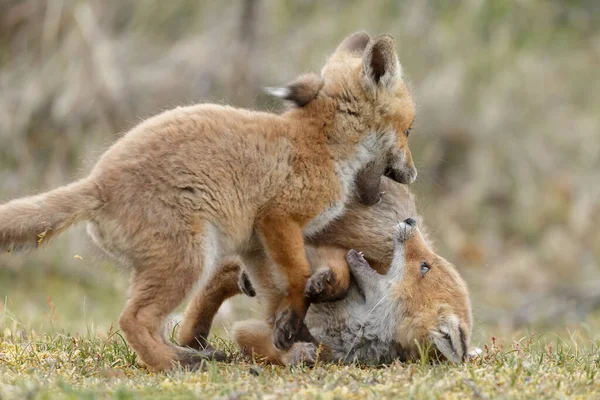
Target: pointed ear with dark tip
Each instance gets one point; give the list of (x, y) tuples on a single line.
[(381, 67), (301, 91), (355, 43)]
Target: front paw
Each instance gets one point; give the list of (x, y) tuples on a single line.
[(196, 360), (356, 259), (370, 198), (323, 287), (301, 352), (288, 328), (245, 285)]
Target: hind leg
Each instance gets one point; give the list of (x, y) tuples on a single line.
[(154, 293), (255, 338), (202, 309)]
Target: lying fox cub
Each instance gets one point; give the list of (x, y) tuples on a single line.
[(383, 316), (418, 295)]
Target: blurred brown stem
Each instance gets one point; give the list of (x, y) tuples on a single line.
[(241, 72), (104, 71)]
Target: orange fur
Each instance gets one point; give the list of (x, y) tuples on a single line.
[(203, 307)]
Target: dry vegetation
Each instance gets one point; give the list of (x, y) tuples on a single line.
[(57, 366), (507, 144)]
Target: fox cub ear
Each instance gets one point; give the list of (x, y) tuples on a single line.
[(355, 43), (301, 91), (381, 67)]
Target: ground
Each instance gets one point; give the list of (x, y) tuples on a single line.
[(60, 366), (59, 340)]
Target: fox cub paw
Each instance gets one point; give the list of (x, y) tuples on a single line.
[(287, 327), (356, 258), (290, 328), (371, 198), (324, 287), (301, 352), (245, 285), (196, 360)]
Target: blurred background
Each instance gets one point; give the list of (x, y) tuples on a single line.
[(507, 137)]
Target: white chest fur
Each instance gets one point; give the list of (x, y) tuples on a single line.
[(346, 171), (346, 174)]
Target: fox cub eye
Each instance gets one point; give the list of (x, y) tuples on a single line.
[(424, 268), (407, 132)]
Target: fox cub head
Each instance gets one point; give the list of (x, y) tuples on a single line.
[(430, 306), (366, 108)]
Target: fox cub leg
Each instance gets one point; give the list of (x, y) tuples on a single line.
[(205, 304), (254, 338), (284, 243), (331, 281), (152, 297)]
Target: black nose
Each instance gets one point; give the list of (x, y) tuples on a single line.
[(410, 221)]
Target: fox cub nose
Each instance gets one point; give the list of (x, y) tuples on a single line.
[(410, 221)]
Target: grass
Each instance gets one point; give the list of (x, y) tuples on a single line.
[(101, 365), (55, 349)]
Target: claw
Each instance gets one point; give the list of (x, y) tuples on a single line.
[(286, 329)]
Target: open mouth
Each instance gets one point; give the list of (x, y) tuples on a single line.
[(397, 175), (394, 175)]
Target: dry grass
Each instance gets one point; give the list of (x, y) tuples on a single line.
[(564, 363), (57, 366)]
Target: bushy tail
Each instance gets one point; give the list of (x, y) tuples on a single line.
[(31, 221)]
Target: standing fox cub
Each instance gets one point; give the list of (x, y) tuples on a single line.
[(195, 184), (414, 297)]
